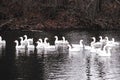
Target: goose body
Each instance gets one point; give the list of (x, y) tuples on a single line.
[(73, 49), (78, 45)]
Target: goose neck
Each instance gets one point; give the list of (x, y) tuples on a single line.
[(63, 38), (81, 43), (56, 38), (101, 39)]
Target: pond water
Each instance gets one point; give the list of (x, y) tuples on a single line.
[(83, 65)]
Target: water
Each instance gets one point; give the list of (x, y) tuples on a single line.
[(82, 65)]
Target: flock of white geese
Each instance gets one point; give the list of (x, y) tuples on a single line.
[(102, 47)]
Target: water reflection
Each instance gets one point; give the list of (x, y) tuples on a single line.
[(29, 64)]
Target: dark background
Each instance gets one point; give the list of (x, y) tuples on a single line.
[(59, 14)]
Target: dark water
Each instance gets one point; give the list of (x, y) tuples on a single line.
[(82, 65)]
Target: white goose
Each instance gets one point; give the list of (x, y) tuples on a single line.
[(3, 42), (112, 43), (78, 45), (95, 44), (45, 42), (103, 40), (48, 47), (30, 39), (58, 41), (39, 45), (22, 42), (19, 46), (73, 49), (64, 40), (29, 46), (104, 52)]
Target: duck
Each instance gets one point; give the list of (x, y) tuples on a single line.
[(19, 46), (104, 52)]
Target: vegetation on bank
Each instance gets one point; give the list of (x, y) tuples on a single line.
[(59, 14)]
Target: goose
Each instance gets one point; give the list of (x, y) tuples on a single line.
[(64, 41), (30, 39), (104, 52), (45, 42), (19, 46), (22, 42), (95, 44), (47, 45), (29, 46), (73, 49), (3, 42), (112, 44), (80, 45), (39, 45), (58, 41), (103, 40)]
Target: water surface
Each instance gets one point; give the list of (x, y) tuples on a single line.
[(83, 65)]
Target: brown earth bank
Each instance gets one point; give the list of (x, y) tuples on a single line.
[(68, 14)]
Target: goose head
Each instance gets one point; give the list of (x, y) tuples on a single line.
[(41, 41), (37, 42), (45, 40), (63, 38), (25, 36), (106, 38), (56, 38), (16, 41), (21, 38), (81, 42), (94, 39)]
